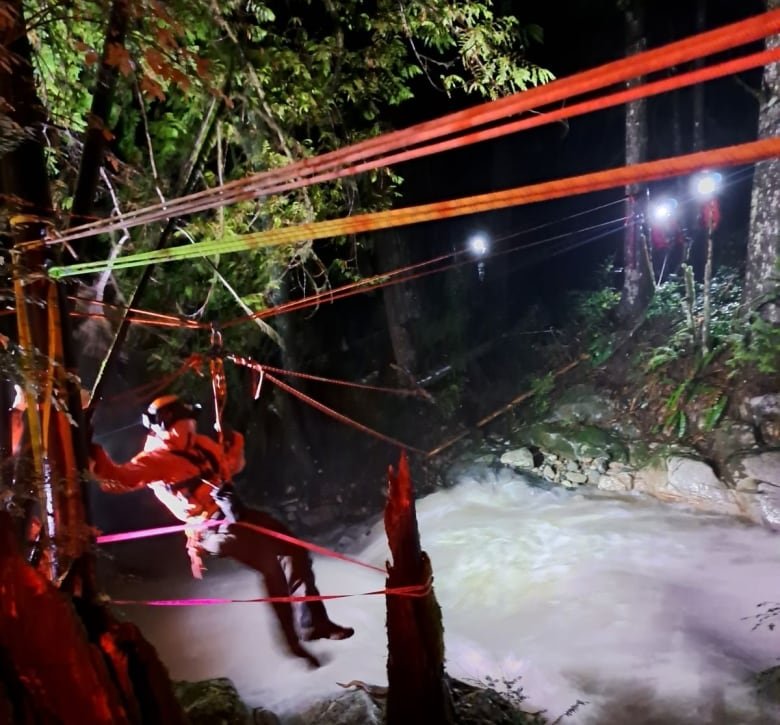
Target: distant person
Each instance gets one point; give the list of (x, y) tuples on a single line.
[(190, 473)]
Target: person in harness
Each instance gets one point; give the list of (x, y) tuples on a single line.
[(190, 474)]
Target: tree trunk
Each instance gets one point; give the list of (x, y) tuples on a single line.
[(417, 687), (98, 134), (637, 281), (400, 301), (25, 185), (52, 670), (762, 274), (292, 423)]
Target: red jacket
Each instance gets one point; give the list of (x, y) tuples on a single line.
[(182, 480)]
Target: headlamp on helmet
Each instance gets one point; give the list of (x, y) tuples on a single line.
[(165, 411)]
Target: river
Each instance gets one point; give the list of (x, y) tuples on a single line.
[(640, 609)]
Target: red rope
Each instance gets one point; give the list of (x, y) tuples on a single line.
[(363, 285), (247, 362), (344, 383)]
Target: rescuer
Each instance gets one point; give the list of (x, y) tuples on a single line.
[(190, 474)]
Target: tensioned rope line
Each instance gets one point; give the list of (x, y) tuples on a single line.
[(404, 392), (640, 64), (393, 277), (378, 282), (338, 294), (735, 155), (601, 103), (253, 365), (414, 590), (177, 528), (366, 284)]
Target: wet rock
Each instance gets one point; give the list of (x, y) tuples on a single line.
[(355, 707), (763, 412), (483, 705), (769, 503), (756, 472), (693, 482), (488, 459), (518, 458), (582, 404), (574, 443), (732, 436), (212, 701), (763, 467), (768, 684), (575, 478), (261, 716), (618, 481)]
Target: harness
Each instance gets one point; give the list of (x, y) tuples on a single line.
[(208, 470)]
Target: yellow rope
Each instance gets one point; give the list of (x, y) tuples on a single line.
[(26, 344)]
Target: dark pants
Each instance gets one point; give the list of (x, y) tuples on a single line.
[(284, 567)]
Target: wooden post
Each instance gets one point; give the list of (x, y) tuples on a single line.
[(417, 687)]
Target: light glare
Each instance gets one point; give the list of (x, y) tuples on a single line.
[(705, 186), (663, 211), (479, 245)]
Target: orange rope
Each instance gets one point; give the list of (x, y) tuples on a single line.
[(738, 154), (641, 64), (344, 383)]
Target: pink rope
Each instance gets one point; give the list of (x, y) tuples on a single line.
[(418, 590), (147, 533), (160, 531)]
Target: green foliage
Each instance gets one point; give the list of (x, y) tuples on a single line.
[(756, 345), (715, 412), (591, 316), (675, 300), (541, 387), (290, 80)]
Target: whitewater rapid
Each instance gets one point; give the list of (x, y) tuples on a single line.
[(641, 609)]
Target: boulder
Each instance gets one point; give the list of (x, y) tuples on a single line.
[(769, 503), (210, 702), (574, 442), (518, 458), (484, 705), (582, 404), (355, 707), (693, 482), (619, 481), (763, 412), (768, 684), (574, 478), (757, 475), (732, 436), (763, 466)]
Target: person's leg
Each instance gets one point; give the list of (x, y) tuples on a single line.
[(241, 544), (314, 620)]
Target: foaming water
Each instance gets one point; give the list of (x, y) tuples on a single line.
[(635, 607)]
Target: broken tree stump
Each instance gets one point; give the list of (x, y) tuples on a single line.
[(418, 691)]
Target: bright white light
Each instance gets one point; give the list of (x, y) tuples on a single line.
[(705, 186), (479, 244), (663, 211)]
